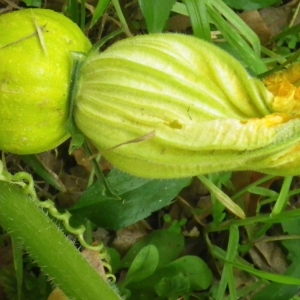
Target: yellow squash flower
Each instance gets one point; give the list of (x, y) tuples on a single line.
[(170, 105)]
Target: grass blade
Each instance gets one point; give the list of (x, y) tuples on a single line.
[(283, 196), (227, 274), (197, 12), (238, 44), (241, 27), (99, 11), (222, 197), (121, 17), (220, 254)]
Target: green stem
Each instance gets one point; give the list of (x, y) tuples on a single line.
[(117, 6), (48, 246), (108, 189)]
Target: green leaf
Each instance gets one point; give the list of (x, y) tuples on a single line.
[(173, 287), (194, 268), (35, 3), (114, 259), (191, 267), (169, 245), (143, 265), (140, 197), (156, 13), (124, 182), (250, 4), (262, 191)]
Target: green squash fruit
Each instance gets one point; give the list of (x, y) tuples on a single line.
[(35, 70)]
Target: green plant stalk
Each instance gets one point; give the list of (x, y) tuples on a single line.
[(49, 247), (265, 218)]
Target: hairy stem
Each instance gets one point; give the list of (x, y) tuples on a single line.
[(49, 247)]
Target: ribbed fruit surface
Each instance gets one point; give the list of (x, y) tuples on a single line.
[(170, 105)]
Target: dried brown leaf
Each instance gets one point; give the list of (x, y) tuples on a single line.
[(269, 257), (128, 236)]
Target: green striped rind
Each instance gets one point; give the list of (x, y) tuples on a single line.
[(199, 100)]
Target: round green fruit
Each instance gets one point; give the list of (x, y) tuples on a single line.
[(36, 63)]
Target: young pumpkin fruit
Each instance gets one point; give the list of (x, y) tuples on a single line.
[(36, 63), (170, 105)]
